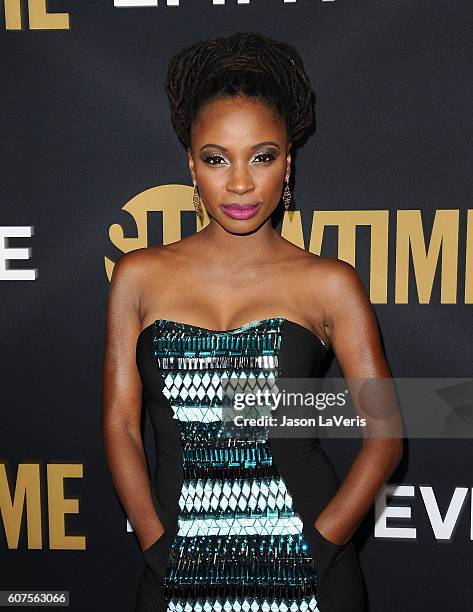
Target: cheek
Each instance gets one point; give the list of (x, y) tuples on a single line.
[(211, 183), (270, 181)]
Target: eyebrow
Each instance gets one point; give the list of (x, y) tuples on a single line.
[(256, 146)]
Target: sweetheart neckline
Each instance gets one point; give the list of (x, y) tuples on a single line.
[(247, 325)]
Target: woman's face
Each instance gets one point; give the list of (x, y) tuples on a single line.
[(239, 156)]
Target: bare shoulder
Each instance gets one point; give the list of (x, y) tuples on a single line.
[(335, 278), (138, 266)]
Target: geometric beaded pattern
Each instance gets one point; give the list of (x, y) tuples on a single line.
[(227, 497), (239, 546)]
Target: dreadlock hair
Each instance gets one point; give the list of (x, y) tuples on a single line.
[(245, 63)]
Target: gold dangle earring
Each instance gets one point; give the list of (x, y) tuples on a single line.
[(287, 195), (196, 200)]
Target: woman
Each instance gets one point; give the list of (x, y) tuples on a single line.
[(225, 519)]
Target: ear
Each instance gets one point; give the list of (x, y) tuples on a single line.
[(190, 159)]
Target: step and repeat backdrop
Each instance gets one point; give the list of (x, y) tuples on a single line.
[(91, 168)]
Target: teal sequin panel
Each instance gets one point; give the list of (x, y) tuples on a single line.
[(239, 546)]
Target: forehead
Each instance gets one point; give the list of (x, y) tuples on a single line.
[(237, 120)]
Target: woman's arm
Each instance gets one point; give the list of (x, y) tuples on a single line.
[(121, 401), (354, 335)]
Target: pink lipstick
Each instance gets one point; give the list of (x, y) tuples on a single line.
[(240, 211)]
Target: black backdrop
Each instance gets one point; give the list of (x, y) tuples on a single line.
[(85, 128)]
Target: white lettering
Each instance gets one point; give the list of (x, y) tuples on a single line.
[(8, 254)]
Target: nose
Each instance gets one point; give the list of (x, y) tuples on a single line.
[(240, 179)]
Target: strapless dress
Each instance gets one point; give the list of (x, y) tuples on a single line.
[(238, 513)]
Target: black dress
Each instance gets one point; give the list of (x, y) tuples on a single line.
[(238, 513)]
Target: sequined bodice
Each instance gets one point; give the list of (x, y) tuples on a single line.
[(236, 511)]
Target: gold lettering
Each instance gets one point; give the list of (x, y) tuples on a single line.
[(469, 259), (444, 238), (13, 20), (27, 495), (172, 200), (58, 506), (26, 492), (39, 18), (292, 228)]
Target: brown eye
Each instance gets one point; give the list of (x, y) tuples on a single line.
[(269, 157), (210, 159)]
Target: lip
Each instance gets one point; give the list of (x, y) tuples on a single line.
[(240, 211)]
